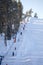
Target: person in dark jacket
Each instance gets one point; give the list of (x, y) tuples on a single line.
[(1, 58), (12, 53)]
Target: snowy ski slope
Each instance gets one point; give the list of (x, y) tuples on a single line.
[(29, 45)]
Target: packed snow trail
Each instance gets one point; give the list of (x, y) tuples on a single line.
[(32, 45)]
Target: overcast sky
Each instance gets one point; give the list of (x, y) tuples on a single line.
[(36, 5)]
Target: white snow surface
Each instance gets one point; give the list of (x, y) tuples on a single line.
[(29, 45)]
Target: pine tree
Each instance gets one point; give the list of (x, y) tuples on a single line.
[(15, 16), (4, 5), (20, 9), (9, 13), (8, 32)]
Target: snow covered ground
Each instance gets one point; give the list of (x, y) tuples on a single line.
[(29, 45)]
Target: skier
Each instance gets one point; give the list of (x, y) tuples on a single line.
[(15, 48), (1, 58), (14, 39), (23, 28), (21, 33), (12, 53)]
